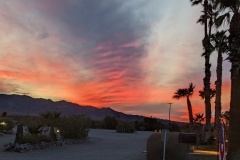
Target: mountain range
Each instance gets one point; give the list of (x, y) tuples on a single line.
[(26, 105)]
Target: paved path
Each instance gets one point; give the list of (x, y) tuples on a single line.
[(101, 145)]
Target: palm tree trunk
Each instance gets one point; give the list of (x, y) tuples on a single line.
[(205, 18), (190, 113), (218, 106), (234, 127), (207, 91), (206, 80)]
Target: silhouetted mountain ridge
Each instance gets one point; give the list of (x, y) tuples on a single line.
[(26, 105)]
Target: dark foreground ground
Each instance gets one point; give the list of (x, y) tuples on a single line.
[(101, 145)]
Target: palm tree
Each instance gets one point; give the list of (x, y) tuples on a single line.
[(198, 119), (234, 58), (212, 93), (186, 92), (220, 43), (207, 20)]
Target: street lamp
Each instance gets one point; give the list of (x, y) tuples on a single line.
[(170, 104)]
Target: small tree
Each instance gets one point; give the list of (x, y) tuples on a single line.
[(110, 122), (125, 127), (74, 127), (186, 92), (152, 124)]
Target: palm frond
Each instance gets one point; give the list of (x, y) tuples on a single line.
[(180, 93), (212, 93), (222, 5), (201, 20), (220, 19), (196, 2), (199, 118), (220, 41), (191, 89), (201, 94)]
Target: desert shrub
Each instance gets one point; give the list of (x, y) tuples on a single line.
[(32, 121), (34, 132), (174, 150), (110, 122), (35, 139), (34, 129), (139, 125), (125, 127), (50, 118), (74, 127), (173, 127), (96, 124), (152, 124), (6, 124)]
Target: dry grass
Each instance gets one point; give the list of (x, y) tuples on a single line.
[(174, 150)]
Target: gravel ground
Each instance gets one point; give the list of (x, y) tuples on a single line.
[(101, 145)]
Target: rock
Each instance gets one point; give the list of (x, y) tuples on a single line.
[(17, 149), (6, 145), (12, 145), (19, 134), (42, 145), (35, 147), (52, 144), (27, 146), (23, 146), (8, 149), (59, 143)]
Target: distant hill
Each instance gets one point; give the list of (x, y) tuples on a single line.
[(26, 105)]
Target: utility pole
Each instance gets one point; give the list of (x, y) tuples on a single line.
[(170, 104)]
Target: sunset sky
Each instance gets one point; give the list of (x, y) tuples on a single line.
[(130, 55)]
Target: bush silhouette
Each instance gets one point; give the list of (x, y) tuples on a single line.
[(174, 150)]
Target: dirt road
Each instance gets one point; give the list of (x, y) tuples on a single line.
[(101, 145)]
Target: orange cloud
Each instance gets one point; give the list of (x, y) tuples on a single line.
[(132, 65)]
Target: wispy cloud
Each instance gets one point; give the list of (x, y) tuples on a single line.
[(103, 53)]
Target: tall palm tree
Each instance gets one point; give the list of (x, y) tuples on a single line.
[(221, 44), (186, 92), (233, 6), (207, 20)]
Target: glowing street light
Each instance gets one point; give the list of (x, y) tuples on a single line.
[(3, 123)]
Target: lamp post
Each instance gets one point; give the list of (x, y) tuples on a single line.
[(170, 104)]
